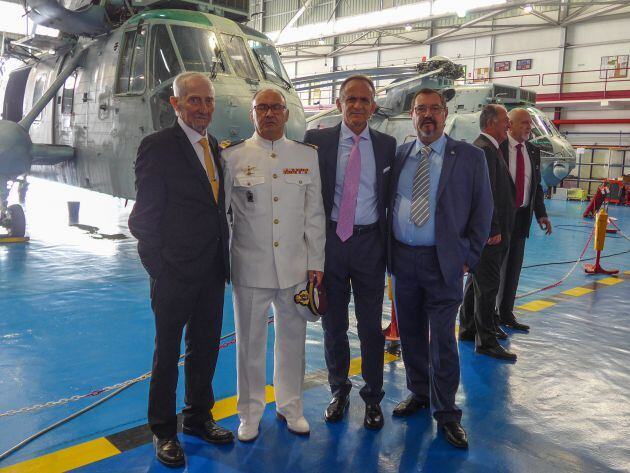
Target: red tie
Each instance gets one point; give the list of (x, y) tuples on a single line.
[(519, 181)]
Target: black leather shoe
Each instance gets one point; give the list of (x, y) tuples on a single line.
[(514, 325), (497, 352), (373, 417), (409, 406), (500, 334), (455, 434), (169, 451), (210, 431), (336, 408), (466, 337)]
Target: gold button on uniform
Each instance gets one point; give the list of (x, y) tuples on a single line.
[(273, 155), (275, 176), (276, 221), (275, 199), (275, 243)]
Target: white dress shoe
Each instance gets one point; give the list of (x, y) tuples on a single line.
[(247, 432), (298, 426)]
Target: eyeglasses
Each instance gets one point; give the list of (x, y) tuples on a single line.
[(275, 108), (422, 109)]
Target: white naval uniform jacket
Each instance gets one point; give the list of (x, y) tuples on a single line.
[(278, 229)]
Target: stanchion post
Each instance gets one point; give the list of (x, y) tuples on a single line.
[(601, 222)]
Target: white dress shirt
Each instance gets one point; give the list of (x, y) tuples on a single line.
[(194, 137), (528, 168)]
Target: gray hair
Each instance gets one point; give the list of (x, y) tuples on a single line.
[(181, 80), (268, 89), (516, 111), (488, 114)]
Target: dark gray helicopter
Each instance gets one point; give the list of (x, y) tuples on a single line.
[(78, 108), (464, 107)]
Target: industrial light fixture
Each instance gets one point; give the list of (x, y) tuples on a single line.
[(408, 27), (528, 8)]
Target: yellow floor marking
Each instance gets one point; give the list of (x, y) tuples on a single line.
[(99, 449), (610, 281), (535, 306), (66, 459), (577, 291), (14, 239)]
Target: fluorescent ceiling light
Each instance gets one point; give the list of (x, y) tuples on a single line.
[(408, 28), (528, 8), (388, 17)]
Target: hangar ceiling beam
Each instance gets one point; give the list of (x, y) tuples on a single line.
[(485, 17), (295, 18), (544, 17), (595, 13)]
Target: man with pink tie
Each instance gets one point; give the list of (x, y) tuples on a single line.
[(354, 163)]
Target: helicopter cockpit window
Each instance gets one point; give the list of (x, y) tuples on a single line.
[(165, 62), (131, 75), (196, 46), (241, 61), (270, 62)]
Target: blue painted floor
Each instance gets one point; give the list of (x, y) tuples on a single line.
[(75, 317)]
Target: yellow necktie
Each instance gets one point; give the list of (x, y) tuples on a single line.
[(207, 158)]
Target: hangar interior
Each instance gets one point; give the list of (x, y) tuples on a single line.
[(75, 318)]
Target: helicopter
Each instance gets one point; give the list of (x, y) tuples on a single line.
[(77, 109), (464, 103)]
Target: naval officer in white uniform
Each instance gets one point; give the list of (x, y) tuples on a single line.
[(278, 238)]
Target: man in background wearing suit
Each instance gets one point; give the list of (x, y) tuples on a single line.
[(524, 163), (354, 163), (441, 209), (476, 315), (180, 222)]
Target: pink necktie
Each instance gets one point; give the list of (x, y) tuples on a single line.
[(348, 206)]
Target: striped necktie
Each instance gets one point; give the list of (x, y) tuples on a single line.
[(207, 159), (420, 190)]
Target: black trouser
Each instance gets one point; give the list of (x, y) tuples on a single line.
[(199, 307), (477, 313), (358, 262), (511, 269)]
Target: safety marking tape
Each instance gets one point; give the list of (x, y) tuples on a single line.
[(67, 459), (610, 281), (535, 306), (577, 291), (106, 447), (14, 239), (570, 294)]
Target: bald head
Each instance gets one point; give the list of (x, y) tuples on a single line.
[(520, 124), (269, 113)]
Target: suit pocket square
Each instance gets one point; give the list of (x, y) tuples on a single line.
[(386, 169)]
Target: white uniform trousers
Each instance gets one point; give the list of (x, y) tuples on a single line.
[(251, 308)]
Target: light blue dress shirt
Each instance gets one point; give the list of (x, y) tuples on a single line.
[(366, 212), (405, 231)]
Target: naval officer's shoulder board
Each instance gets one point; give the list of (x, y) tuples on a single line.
[(229, 144), (305, 144)]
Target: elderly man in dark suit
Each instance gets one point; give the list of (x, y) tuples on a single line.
[(523, 160), (476, 315), (354, 163), (180, 222), (441, 209)]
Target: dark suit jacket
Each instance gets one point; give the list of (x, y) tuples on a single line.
[(503, 189), (536, 196), (327, 142), (179, 226), (464, 206)]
